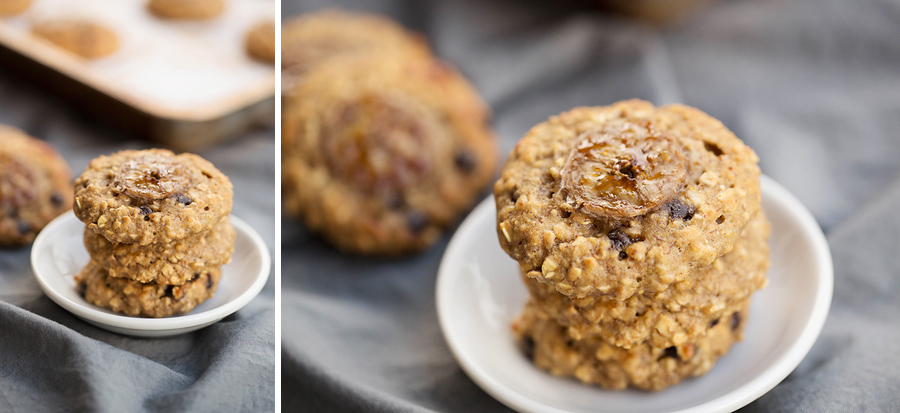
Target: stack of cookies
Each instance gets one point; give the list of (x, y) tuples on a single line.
[(640, 238), (157, 230), (383, 145)]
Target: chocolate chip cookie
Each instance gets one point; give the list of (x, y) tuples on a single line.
[(151, 196), (260, 42), (594, 361), (186, 9), (174, 263), (381, 153), (35, 186), (624, 199), (87, 39), (681, 314), (146, 300)]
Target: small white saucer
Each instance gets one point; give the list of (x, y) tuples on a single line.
[(479, 294), (58, 254)]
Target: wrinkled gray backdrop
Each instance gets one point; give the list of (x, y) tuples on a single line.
[(812, 85)]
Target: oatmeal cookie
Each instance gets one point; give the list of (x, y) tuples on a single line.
[(174, 263), (312, 38), (151, 196), (146, 300), (644, 366), (35, 186), (260, 42), (381, 154), (682, 313), (186, 9), (13, 7), (624, 199), (87, 39)]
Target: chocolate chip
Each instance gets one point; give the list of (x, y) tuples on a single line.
[(619, 239), (627, 170), (465, 161), (515, 196), (670, 352), (565, 214), (145, 210), (714, 323), (720, 219), (623, 255), (416, 221), (715, 149), (528, 347), (183, 199), (169, 292), (394, 201), (56, 199), (24, 227), (735, 320), (680, 210), (209, 282), (194, 278)]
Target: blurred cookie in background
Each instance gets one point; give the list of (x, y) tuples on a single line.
[(655, 11), (382, 152), (187, 9), (35, 186), (260, 42), (87, 39), (313, 38), (13, 7)]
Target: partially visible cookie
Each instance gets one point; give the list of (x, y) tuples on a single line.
[(644, 366), (260, 42), (35, 186), (679, 315), (187, 9), (624, 199), (313, 38), (381, 153), (87, 39), (13, 7), (146, 300), (151, 196), (174, 263)]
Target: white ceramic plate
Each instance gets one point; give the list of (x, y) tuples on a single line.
[(479, 293), (58, 254)]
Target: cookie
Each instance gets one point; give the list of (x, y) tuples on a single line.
[(679, 315), (594, 361), (312, 38), (381, 154), (624, 199), (87, 39), (186, 9), (174, 263), (260, 42), (146, 300), (13, 7), (151, 196), (35, 186)]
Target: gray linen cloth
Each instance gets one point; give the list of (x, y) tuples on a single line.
[(812, 85), (52, 361)]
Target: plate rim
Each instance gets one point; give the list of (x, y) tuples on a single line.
[(734, 399), (152, 324)]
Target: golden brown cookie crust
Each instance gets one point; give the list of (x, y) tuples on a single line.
[(13, 7), (553, 209), (314, 38), (380, 154), (187, 9), (260, 42), (594, 361), (35, 186), (151, 196), (682, 313), (174, 263), (146, 300), (87, 39)]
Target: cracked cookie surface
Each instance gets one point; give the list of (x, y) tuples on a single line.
[(35, 186), (151, 196), (624, 199), (381, 154), (146, 300), (596, 362), (174, 263)]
